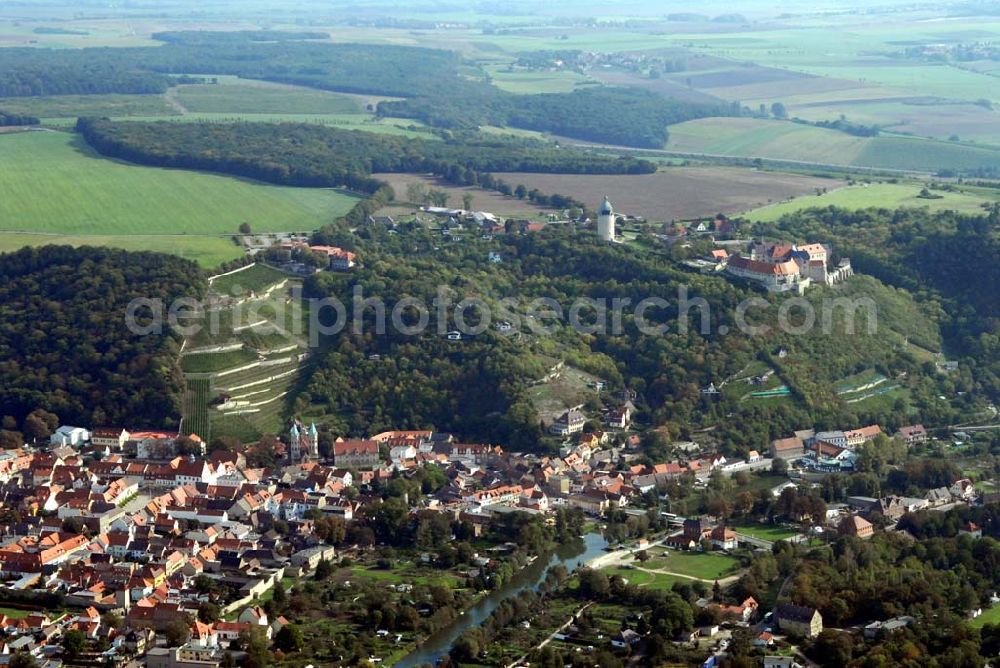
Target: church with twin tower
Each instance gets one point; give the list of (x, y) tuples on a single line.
[(606, 221)]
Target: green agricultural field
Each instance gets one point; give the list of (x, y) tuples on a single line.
[(785, 140), (206, 250), (887, 195), (925, 155), (257, 99), (526, 82), (363, 122), (74, 106), (754, 138), (52, 183)]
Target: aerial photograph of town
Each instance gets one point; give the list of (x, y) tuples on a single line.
[(509, 334)]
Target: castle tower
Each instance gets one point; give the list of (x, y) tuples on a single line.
[(606, 221)]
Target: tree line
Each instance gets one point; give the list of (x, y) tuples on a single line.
[(431, 80), (8, 119)]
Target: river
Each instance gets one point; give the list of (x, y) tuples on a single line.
[(439, 644)]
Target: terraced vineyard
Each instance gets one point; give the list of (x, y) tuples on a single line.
[(241, 374)]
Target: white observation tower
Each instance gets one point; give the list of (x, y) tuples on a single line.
[(606, 221)]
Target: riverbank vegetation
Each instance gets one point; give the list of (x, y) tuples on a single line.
[(410, 577)]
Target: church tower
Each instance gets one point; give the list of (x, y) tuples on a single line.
[(294, 443), (606, 221), (313, 441)]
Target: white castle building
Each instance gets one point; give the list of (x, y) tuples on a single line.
[(606, 221)]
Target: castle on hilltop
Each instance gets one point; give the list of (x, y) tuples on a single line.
[(782, 267)]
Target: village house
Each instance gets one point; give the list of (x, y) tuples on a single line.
[(787, 448), (799, 620), (355, 453), (71, 436), (570, 422), (856, 526), (620, 417), (858, 437), (112, 438), (723, 538), (912, 434)]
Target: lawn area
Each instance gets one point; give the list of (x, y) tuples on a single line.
[(702, 565), (765, 532), (990, 616), (660, 581), (406, 574), (632, 576), (14, 613), (53, 182), (884, 195)]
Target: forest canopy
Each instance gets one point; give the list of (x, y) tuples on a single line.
[(64, 346), (318, 156)]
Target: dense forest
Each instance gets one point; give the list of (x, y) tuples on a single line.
[(627, 116), (444, 381), (30, 72), (313, 155), (431, 80), (64, 346)]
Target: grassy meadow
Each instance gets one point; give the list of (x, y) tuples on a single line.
[(968, 199), (251, 97)]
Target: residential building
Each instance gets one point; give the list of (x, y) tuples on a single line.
[(787, 448), (72, 436), (723, 538), (799, 620), (355, 453), (856, 526), (912, 434), (570, 422), (857, 437), (113, 438)]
